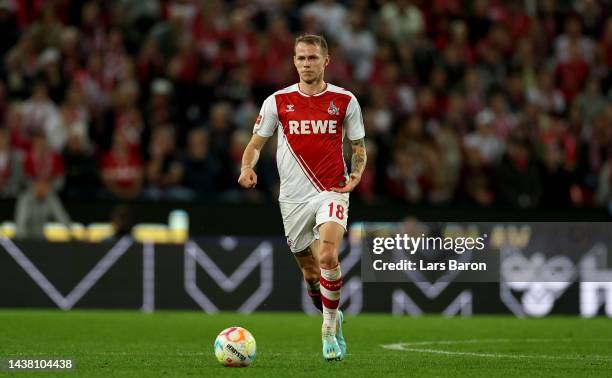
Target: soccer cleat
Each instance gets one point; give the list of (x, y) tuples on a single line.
[(331, 349), (339, 335)]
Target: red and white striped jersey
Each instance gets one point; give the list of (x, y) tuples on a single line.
[(311, 130)]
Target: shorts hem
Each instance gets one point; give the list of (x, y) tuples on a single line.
[(316, 227), (294, 251)]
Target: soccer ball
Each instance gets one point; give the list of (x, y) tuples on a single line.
[(235, 347)]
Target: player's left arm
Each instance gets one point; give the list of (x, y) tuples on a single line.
[(359, 159)]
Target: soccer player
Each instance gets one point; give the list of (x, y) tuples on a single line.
[(311, 119)]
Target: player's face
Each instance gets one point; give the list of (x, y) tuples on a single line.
[(310, 62)]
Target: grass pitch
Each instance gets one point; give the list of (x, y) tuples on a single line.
[(177, 344)]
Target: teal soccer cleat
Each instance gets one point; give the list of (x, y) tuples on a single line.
[(331, 350), (339, 335)]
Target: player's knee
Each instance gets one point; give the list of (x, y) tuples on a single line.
[(328, 262), (328, 256)]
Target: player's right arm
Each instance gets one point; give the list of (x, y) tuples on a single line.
[(265, 125), (248, 177)]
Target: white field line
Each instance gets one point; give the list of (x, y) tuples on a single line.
[(410, 347)]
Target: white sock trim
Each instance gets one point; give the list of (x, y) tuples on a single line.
[(331, 274)]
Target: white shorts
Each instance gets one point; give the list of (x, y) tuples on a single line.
[(302, 220)]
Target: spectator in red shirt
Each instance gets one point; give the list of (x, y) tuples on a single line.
[(121, 169), (572, 72)]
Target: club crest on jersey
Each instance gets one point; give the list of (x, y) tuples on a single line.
[(333, 109), (290, 108)]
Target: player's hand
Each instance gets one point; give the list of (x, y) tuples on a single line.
[(349, 185), (248, 178)]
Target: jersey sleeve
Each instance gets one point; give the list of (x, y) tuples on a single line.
[(353, 121), (267, 120)]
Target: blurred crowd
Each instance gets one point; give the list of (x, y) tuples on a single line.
[(481, 102)]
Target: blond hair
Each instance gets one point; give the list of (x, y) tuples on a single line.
[(312, 39)]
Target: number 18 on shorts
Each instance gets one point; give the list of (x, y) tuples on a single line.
[(302, 220)]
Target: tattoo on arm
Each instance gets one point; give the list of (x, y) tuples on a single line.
[(359, 158)]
